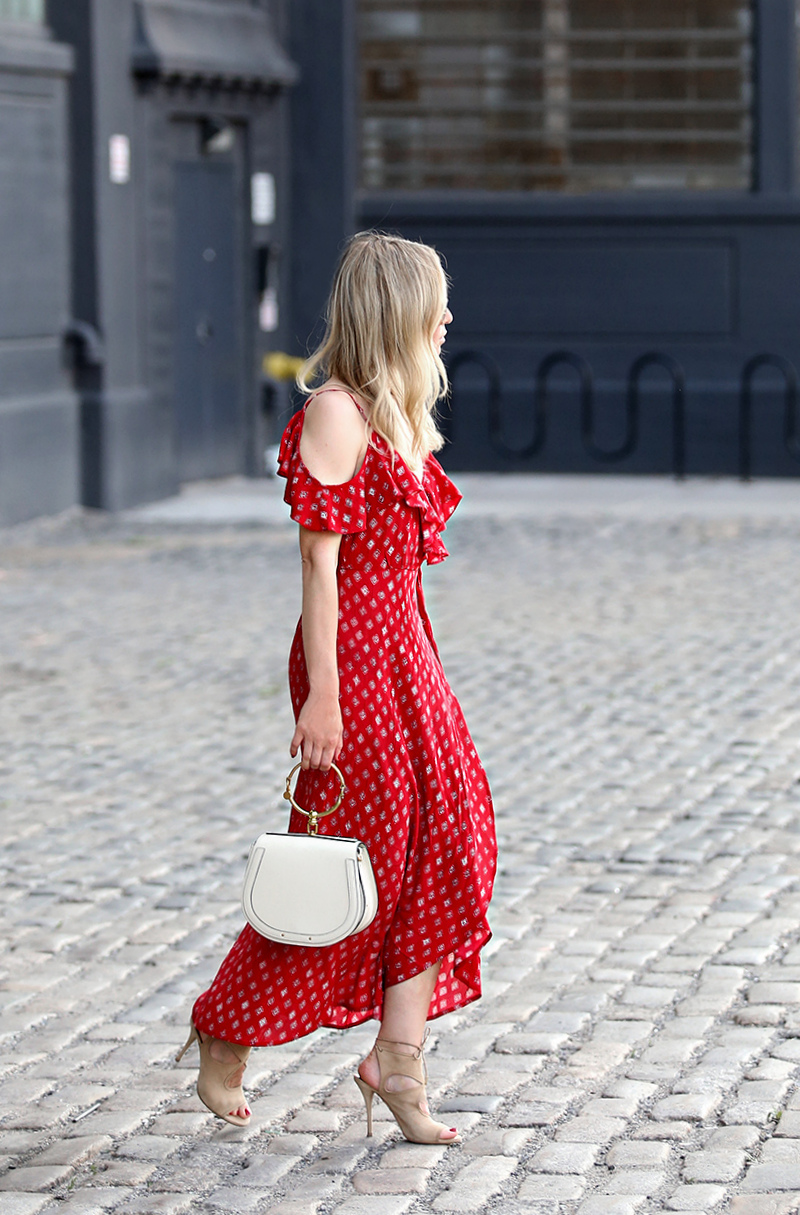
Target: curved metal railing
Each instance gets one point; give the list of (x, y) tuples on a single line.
[(790, 390)]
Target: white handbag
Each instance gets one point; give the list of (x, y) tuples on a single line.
[(309, 889)]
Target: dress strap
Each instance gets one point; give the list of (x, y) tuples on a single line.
[(346, 391)]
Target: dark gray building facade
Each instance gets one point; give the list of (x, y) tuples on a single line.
[(176, 168), (614, 187), (613, 184), (39, 418), (144, 220)]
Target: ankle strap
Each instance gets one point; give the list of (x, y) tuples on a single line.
[(417, 1050)]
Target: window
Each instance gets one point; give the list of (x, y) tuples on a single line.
[(563, 95), (22, 10)]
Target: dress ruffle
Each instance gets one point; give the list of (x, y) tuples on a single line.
[(343, 508), (320, 508)]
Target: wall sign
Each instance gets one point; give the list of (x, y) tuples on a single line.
[(119, 159), (262, 198)]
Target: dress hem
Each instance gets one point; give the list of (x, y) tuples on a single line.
[(352, 1017)]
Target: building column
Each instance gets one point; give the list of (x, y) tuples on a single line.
[(38, 408), (776, 98), (323, 151)]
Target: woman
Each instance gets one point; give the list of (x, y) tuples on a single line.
[(369, 693)]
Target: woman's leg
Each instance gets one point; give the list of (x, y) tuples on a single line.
[(405, 1014)]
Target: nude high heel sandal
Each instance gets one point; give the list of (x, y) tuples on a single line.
[(219, 1085), (396, 1060)]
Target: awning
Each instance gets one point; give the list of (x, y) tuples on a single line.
[(195, 40)]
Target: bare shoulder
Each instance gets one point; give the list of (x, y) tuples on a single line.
[(334, 439)]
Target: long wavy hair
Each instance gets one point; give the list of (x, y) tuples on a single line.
[(388, 297)]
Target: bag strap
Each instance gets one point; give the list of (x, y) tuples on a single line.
[(313, 816)]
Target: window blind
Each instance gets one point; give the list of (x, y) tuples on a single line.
[(564, 95)]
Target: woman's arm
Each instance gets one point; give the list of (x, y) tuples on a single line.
[(332, 447), (318, 732)]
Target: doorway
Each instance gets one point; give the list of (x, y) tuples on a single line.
[(209, 397)]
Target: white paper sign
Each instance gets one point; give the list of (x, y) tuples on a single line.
[(262, 198), (268, 311), (119, 159)]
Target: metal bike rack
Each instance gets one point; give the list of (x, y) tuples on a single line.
[(790, 439)]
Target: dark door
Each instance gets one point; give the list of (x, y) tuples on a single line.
[(209, 397)]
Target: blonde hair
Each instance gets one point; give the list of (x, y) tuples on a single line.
[(388, 297)]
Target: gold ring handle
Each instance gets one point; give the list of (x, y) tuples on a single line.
[(314, 816)]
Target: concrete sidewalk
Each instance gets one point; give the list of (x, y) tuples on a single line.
[(237, 500)]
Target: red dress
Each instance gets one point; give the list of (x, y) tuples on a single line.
[(417, 794)]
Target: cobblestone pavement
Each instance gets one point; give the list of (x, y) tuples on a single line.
[(634, 688)]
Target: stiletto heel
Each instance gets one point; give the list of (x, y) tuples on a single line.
[(193, 1037), (367, 1092), (214, 1087), (401, 1060)]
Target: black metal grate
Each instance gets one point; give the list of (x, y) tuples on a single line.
[(567, 95)]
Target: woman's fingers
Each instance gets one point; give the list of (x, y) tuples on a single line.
[(315, 754), (297, 742)]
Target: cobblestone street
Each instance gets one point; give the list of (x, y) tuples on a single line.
[(630, 669)]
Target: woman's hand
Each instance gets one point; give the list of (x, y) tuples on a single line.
[(318, 733)]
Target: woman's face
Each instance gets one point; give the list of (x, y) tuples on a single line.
[(440, 332)]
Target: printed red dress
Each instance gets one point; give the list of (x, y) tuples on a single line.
[(417, 794)]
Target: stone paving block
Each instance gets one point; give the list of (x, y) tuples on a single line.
[(611, 1204), (391, 1181), (638, 1154), (74, 1151), (774, 993), (264, 1170), (635, 1181), (299, 1206), (92, 1201), (685, 1107), (474, 1185), (338, 1159), (530, 1043), (549, 1188), (695, 1198), (713, 1165), (760, 1014), (314, 1121), (532, 1113), (288, 1144), (590, 1129), (375, 1204), (731, 1138), (749, 1112), (788, 1125), (771, 1091), (502, 1082), (158, 1204), (788, 1049), (765, 1204), (24, 1204), (118, 1173), (419, 1155), (32, 1178), (497, 1142), (233, 1198), (564, 1158), (178, 1124), (767, 1178), (781, 1151), (149, 1147)]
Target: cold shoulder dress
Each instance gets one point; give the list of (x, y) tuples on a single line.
[(417, 794)]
